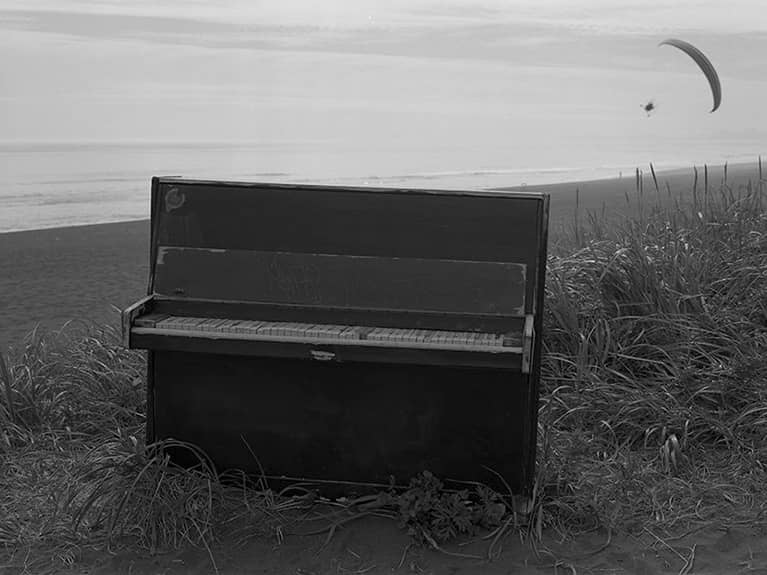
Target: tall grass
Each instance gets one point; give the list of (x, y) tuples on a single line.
[(653, 410)]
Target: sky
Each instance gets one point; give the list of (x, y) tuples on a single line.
[(387, 86)]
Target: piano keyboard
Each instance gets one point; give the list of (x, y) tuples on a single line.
[(324, 333)]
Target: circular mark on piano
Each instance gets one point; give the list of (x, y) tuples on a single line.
[(174, 199)]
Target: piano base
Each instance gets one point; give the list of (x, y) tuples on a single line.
[(354, 421)]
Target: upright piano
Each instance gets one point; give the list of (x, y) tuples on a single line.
[(345, 334)]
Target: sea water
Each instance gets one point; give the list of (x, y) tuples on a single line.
[(44, 185)]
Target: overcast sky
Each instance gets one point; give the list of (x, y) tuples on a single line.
[(536, 80)]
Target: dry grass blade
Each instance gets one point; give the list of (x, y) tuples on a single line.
[(9, 408)]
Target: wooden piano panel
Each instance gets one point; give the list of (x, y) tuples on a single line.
[(467, 226), (341, 281), (354, 421)]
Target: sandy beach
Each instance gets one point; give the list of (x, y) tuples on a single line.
[(78, 273), (83, 273)]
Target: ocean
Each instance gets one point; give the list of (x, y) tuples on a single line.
[(45, 185)]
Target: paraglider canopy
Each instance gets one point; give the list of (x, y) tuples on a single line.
[(705, 65)]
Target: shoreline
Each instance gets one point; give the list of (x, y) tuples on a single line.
[(676, 177), (105, 223)]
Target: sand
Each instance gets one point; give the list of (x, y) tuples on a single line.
[(376, 546), (55, 275), (52, 276)]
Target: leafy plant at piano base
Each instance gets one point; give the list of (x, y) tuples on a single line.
[(432, 515)]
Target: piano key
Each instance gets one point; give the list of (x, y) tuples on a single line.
[(253, 327), (313, 330), (349, 333), (289, 329), (175, 322), (216, 325), (379, 334), (208, 324)]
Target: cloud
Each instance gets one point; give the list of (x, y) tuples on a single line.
[(646, 16)]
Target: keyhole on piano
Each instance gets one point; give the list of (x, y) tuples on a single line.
[(178, 291)]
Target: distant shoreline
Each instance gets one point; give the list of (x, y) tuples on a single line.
[(106, 223), (592, 191)]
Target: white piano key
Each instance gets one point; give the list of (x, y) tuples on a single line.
[(239, 326), (207, 324), (375, 334), (314, 330), (288, 329), (349, 333)]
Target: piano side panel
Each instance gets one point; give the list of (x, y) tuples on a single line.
[(540, 296), (349, 422)]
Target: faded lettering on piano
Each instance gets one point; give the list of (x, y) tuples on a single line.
[(295, 279)]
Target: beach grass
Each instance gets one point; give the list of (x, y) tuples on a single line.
[(653, 408), (655, 375)]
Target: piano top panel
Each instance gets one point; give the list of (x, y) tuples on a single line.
[(494, 226), (413, 225)]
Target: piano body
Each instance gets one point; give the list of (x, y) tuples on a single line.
[(345, 334)]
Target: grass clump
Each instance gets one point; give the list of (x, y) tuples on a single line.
[(654, 404)]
